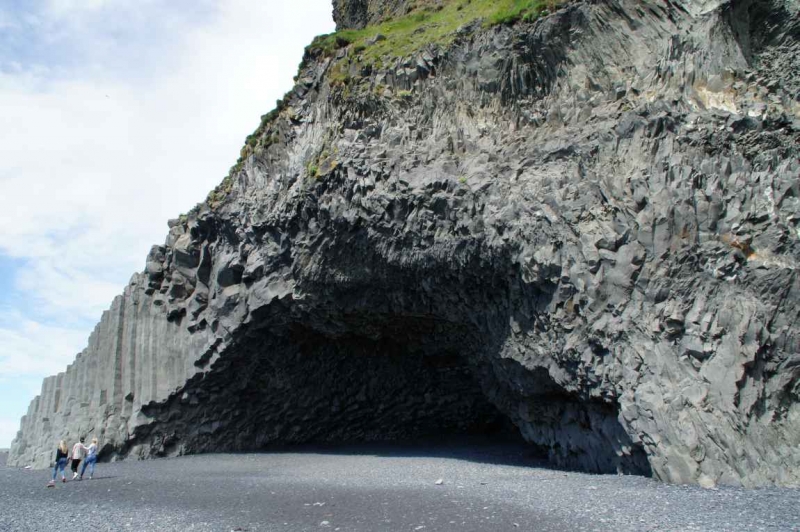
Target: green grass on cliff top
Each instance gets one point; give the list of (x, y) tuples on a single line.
[(429, 23)]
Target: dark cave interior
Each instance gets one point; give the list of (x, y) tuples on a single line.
[(379, 378)]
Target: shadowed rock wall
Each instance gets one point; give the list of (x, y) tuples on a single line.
[(586, 225)]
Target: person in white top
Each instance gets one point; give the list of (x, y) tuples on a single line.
[(77, 455)]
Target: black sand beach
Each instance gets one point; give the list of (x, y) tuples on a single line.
[(484, 486)]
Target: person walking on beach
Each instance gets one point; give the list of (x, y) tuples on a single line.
[(77, 455), (91, 459), (61, 463)]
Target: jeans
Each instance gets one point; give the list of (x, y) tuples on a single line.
[(90, 461), (75, 463), (61, 464)]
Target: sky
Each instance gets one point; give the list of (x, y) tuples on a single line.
[(115, 116)]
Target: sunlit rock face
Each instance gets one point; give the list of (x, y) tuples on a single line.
[(584, 227)]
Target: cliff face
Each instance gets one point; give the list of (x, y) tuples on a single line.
[(357, 14), (586, 224)]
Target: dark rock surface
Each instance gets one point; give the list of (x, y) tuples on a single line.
[(356, 14), (379, 487), (586, 225)]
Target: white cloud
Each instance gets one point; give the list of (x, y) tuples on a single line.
[(30, 348), (6, 20), (61, 7), (102, 146), (92, 169), (8, 431)]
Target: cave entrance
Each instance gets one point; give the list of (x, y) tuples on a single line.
[(380, 378), (392, 381)]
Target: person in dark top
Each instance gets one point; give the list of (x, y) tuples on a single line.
[(61, 463)]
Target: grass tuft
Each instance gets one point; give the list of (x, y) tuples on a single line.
[(430, 23), (427, 25)]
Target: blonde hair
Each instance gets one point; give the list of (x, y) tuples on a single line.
[(94, 441), (63, 446)]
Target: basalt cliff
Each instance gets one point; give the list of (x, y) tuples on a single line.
[(576, 219)]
